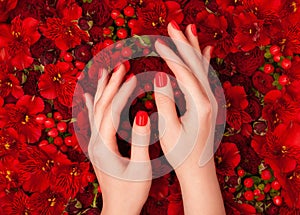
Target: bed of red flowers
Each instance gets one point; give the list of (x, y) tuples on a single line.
[(44, 48)]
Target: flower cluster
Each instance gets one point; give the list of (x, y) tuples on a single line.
[(44, 49)]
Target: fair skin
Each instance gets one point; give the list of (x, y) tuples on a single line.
[(200, 189)]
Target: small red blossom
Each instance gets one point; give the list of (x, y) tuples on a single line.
[(65, 33), (21, 116), (9, 145), (57, 82), (16, 39), (227, 158)]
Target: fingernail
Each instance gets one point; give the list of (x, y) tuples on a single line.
[(161, 41), (141, 118), (194, 29), (117, 67), (175, 25), (129, 77), (161, 79), (211, 50)]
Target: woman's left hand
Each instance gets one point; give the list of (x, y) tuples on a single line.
[(125, 183)]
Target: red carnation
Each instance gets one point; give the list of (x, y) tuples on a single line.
[(65, 33), (57, 82), (250, 32), (227, 158), (16, 39), (21, 116), (236, 103), (47, 202)]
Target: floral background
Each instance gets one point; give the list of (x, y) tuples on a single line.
[(45, 47)]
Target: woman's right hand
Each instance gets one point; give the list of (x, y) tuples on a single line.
[(189, 139)]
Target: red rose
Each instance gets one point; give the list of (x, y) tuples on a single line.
[(262, 82), (116, 4), (247, 62), (98, 11), (190, 11)]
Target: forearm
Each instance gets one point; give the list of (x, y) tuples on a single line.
[(201, 191)]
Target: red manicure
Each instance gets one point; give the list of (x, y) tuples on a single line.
[(129, 77), (194, 29), (175, 25), (161, 79), (161, 41), (141, 118)]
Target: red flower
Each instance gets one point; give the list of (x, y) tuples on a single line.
[(154, 16), (262, 82), (16, 203), (47, 203), (227, 158), (280, 148), (65, 33), (69, 179), (214, 31), (36, 167), (235, 208), (279, 108), (116, 4), (250, 32), (57, 82), (236, 100), (159, 188), (9, 145), (16, 39), (5, 7), (10, 84), (21, 116)]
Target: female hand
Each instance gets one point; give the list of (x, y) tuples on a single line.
[(188, 139), (125, 183)]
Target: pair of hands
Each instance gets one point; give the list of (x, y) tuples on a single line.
[(183, 140)]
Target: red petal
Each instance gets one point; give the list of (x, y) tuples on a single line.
[(33, 104), (30, 27)]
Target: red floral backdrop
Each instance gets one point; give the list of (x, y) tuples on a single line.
[(44, 48)]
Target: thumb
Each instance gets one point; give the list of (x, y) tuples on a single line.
[(140, 137)]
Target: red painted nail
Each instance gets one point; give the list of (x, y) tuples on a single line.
[(129, 77), (211, 50), (161, 79), (194, 29), (117, 67), (162, 41), (141, 118), (175, 25)]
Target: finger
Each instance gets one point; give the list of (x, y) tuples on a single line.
[(207, 52), (164, 99), (192, 36), (90, 106), (189, 84), (111, 119), (110, 91), (140, 137), (191, 56), (102, 83)]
